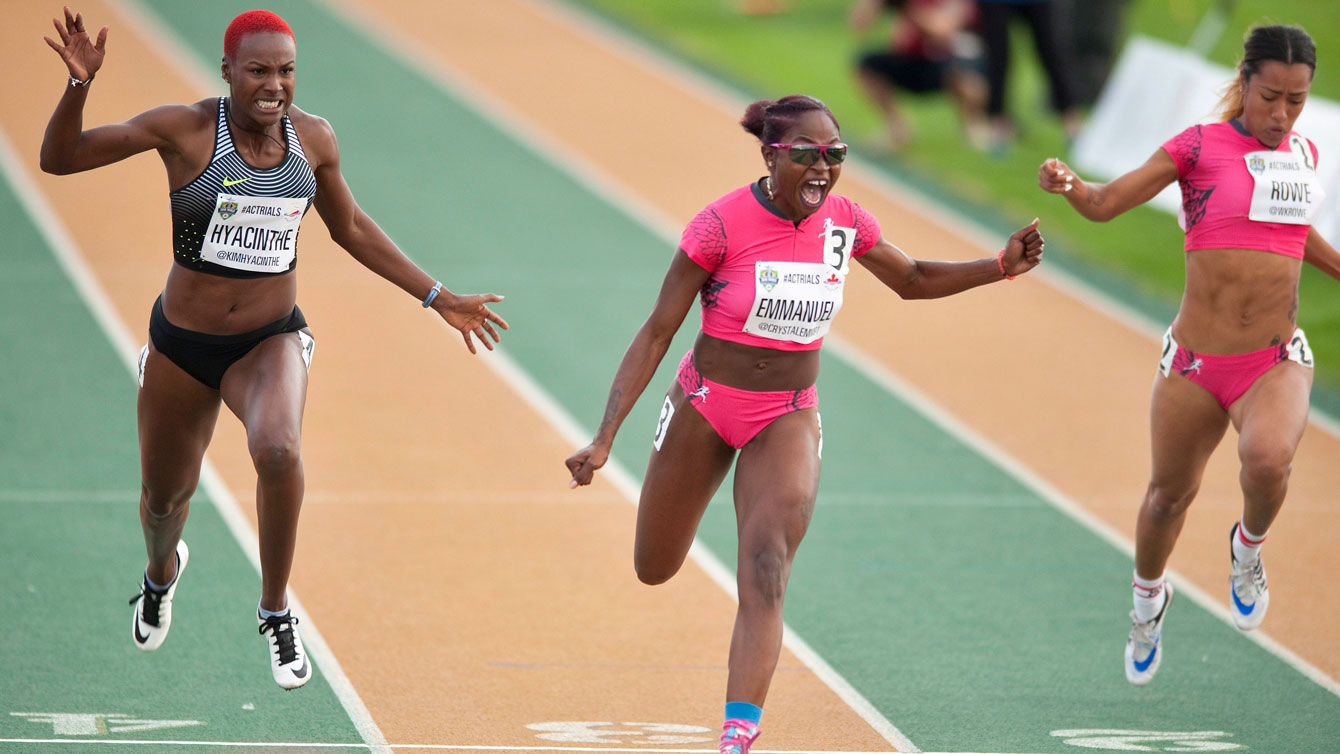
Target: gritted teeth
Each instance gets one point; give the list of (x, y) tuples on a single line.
[(267, 104)]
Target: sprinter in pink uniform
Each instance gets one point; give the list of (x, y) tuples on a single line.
[(1234, 353), (768, 262)]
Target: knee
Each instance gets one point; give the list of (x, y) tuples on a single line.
[(763, 576), (1262, 466), (652, 572), (276, 458), (159, 502), (1165, 501)]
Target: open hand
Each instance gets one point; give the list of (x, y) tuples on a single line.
[(81, 55), (1023, 251), (471, 315)]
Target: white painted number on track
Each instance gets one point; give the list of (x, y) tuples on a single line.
[(1148, 740), (94, 724), (624, 733)]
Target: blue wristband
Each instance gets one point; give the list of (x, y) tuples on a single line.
[(437, 288)]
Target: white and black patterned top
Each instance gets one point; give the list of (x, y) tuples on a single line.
[(194, 204)]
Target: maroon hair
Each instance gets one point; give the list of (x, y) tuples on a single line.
[(770, 119), (253, 22)]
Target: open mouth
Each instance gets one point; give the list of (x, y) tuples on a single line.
[(812, 192)]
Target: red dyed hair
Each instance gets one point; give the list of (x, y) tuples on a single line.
[(252, 22)]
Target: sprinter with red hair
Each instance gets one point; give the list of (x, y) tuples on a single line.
[(243, 170)]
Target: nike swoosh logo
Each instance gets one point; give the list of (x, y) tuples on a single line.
[(228, 182), (1243, 609), (139, 638), (302, 671), (1141, 667)]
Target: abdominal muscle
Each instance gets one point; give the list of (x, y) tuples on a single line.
[(218, 305), (1237, 300), (752, 367)]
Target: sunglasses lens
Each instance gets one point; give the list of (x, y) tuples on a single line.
[(805, 154), (836, 154)]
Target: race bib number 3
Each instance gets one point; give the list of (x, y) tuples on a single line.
[(1286, 188), (253, 232)]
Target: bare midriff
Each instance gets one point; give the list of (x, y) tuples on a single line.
[(752, 367), (1237, 300), (226, 306)]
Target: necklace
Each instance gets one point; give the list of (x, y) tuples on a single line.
[(228, 111), (767, 188)]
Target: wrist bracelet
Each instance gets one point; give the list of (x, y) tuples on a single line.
[(437, 288), (76, 82), (1000, 262)]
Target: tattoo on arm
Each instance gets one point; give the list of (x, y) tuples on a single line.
[(1095, 197), (1275, 340), (611, 409)]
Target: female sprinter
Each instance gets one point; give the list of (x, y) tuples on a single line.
[(243, 170), (768, 261), (1234, 354)]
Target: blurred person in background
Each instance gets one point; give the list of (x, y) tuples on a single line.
[(994, 25), (1091, 31), (931, 49)]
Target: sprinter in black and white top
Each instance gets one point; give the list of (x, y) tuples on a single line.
[(226, 329)]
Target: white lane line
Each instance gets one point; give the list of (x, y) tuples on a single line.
[(625, 198), (71, 261), (443, 747), (460, 88)]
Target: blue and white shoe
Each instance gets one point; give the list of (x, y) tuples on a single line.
[(152, 616), (1249, 592), (1144, 646)]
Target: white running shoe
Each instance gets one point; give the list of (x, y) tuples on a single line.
[(1144, 648), (152, 616), (1249, 592), (288, 660)]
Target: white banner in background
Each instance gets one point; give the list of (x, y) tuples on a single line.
[(1156, 91)]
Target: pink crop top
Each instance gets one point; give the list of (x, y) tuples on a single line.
[(775, 284), (1237, 193)]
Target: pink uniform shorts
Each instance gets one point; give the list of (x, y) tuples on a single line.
[(738, 415), (1228, 377)]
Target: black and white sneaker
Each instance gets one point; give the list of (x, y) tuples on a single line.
[(288, 660), (152, 616)]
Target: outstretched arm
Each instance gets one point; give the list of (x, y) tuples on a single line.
[(915, 278), (356, 233), (1320, 254), (682, 282), (67, 147), (1101, 202)]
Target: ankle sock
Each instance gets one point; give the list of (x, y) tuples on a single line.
[(263, 613), (744, 711), (1246, 546), (1148, 595)]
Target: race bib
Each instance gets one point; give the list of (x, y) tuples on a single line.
[(1286, 188), (794, 301), (257, 233), (797, 301)]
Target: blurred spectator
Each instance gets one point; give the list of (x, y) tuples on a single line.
[(1093, 29), (1040, 15), (930, 49)]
